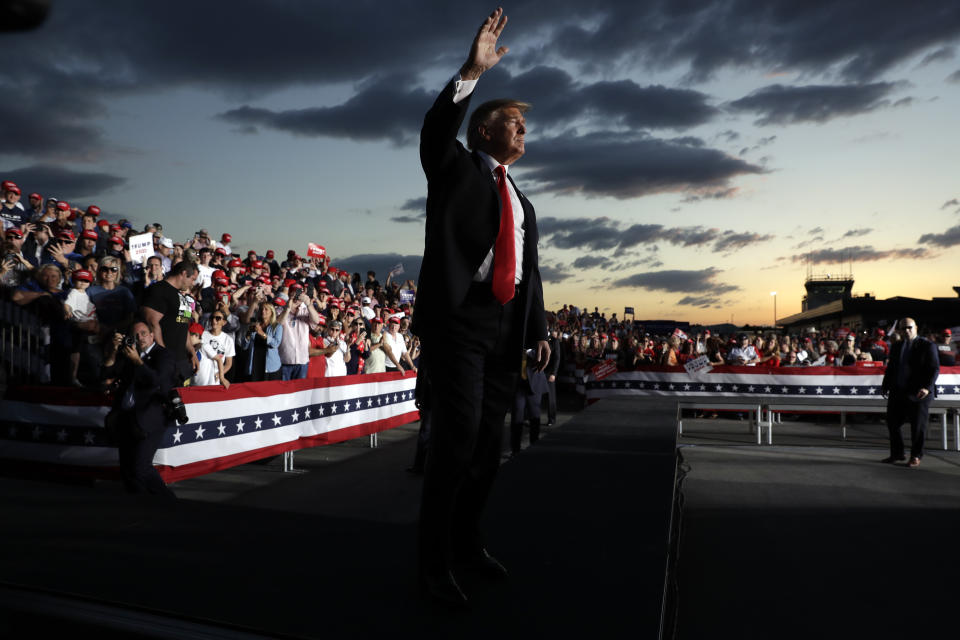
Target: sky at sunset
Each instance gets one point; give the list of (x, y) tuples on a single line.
[(684, 158)]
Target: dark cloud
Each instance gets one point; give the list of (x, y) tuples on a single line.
[(39, 123), (954, 77), (792, 35), (619, 166), (62, 183), (677, 281), (732, 241), (704, 302), (949, 238), (721, 194), (414, 204), (406, 219), (856, 233), (588, 262), (865, 253), (728, 135), (949, 203), (553, 274), (382, 263), (362, 117), (558, 99), (940, 55), (600, 234), (780, 104)]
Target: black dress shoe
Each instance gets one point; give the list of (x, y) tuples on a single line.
[(482, 563), (443, 589), (892, 459)]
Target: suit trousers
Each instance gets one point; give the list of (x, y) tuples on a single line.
[(472, 374), (900, 409), (136, 459), (552, 402)]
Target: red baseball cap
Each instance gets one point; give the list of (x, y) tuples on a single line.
[(15, 189), (116, 240), (226, 237), (35, 196), (63, 205), (103, 223), (13, 231), (269, 254), (196, 327), (221, 251), (82, 274), (235, 263), (93, 210), (90, 235), (66, 234)]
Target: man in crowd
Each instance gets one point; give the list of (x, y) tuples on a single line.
[(909, 386), (480, 300), (744, 353), (168, 313), (145, 377), (296, 320)]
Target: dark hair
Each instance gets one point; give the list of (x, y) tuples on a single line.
[(184, 267)]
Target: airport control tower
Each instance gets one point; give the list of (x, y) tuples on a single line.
[(826, 287)]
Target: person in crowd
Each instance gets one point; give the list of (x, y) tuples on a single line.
[(210, 362), (378, 350), (82, 313), (846, 355), (398, 346), (791, 360), (948, 357), (909, 384), (357, 341), (526, 404), (144, 379), (296, 318), (116, 304), (218, 344), (261, 340), (744, 353), (168, 312), (671, 351), (769, 356), (12, 212), (15, 268), (336, 351)]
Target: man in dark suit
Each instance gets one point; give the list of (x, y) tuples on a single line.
[(909, 386), (144, 378), (526, 404), (552, 371), (479, 304)]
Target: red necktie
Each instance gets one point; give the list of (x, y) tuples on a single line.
[(504, 251)]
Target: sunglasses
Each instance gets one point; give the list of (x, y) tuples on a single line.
[(220, 318), (111, 269)]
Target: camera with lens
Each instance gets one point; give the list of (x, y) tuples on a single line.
[(174, 409), (129, 341)]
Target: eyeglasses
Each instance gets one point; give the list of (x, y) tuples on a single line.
[(220, 318), (111, 269)]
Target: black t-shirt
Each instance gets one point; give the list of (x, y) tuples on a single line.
[(177, 316)]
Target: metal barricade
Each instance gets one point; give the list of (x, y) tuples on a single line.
[(24, 344)]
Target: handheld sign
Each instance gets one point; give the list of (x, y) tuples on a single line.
[(315, 250), (141, 247), (698, 365), (604, 369)]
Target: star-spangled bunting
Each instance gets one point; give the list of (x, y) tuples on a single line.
[(194, 432)]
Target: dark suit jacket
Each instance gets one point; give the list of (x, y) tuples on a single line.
[(463, 218), (151, 385), (924, 367)]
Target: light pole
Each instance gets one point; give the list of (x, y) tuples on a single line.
[(774, 294)]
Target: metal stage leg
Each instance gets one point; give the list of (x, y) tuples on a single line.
[(843, 425), (288, 463), (373, 441)]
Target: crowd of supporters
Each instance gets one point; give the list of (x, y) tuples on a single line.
[(588, 338), (235, 318), (227, 317)]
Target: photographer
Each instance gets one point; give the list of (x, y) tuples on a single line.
[(143, 380)]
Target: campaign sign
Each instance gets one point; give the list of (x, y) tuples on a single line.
[(698, 365), (141, 247), (604, 369), (315, 250)]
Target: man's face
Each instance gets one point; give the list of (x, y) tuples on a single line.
[(155, 267), (12, 197), (49, 278), (89, 223), (88, 245), (909, 329), (35, 202), (142, 335), (504, 137)]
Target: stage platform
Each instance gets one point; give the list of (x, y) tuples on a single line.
[(814, 537), (582, 521)]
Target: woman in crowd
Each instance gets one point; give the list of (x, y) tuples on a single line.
[(847, 354), (261, 339), (115, 303), (769, 352), (670, 352), (714, 353), (378, 351)]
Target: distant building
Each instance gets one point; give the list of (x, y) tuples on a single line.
[(830, 304)]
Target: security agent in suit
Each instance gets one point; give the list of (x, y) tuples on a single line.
[(526, 405), (144, 375), (472, 340), (909, 386)]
